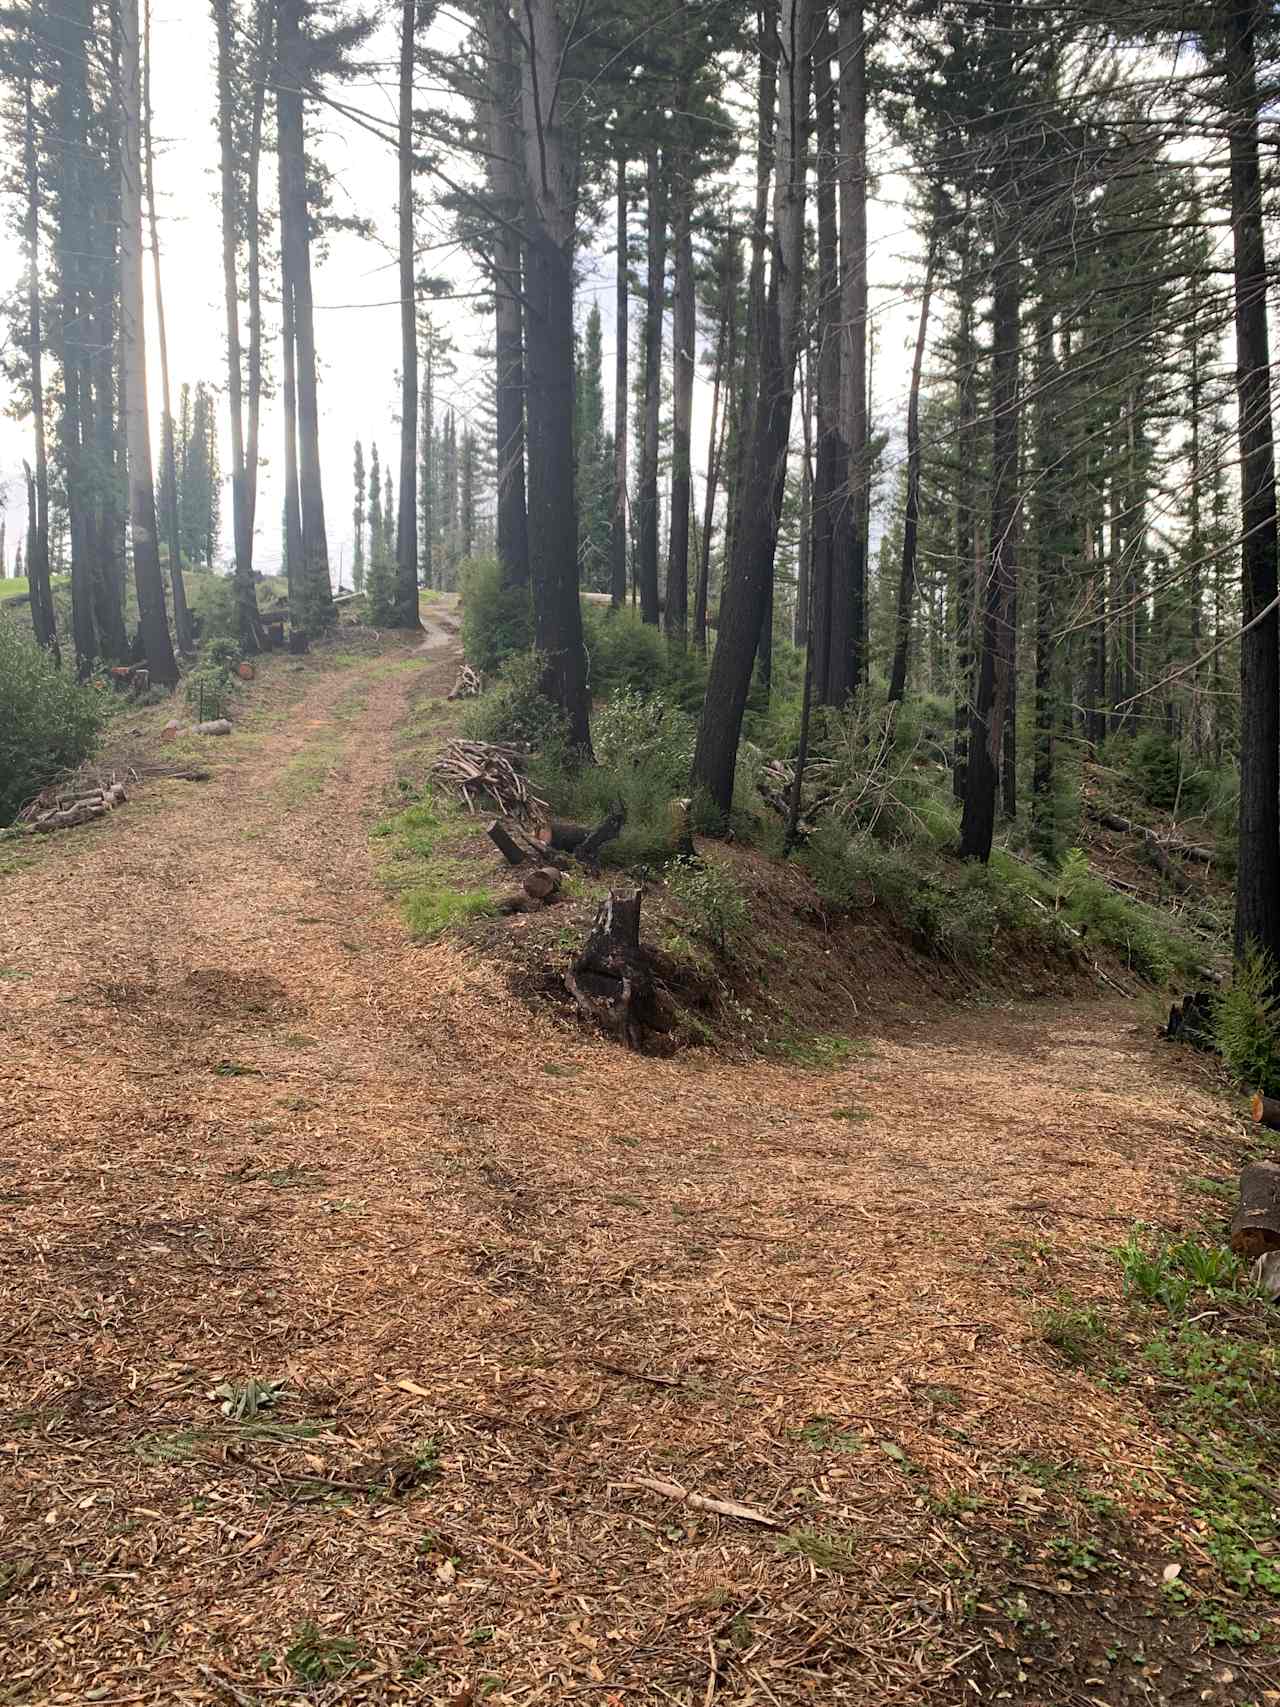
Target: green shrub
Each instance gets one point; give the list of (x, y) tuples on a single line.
[(622, 651), (647, 735), (213, 684), (49, 722), (1136, 933), (515, 707), (497, 621), (1246, 1025), (711, 896)]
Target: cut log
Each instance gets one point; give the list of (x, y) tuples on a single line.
[(607, 830), (1256, 1227), (568, 838), (1266, 1111), (514, 851), (216, 726), (1127, 827), (542, 883), (610, 977)]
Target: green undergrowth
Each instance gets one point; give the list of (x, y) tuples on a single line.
[(422, 864), (1193, 1342)]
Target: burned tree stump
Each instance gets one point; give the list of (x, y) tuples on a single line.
[(1192, 1020), (610, 980), (607, 830), (1256, 1227), (1266, 1110)]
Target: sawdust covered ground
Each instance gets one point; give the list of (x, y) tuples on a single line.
[(504, 1270)]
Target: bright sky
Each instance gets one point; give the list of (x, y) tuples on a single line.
[(355, 285)]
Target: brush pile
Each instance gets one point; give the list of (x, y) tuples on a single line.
[(477, 770)]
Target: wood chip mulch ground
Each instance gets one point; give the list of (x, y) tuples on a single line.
[(476, 1279)]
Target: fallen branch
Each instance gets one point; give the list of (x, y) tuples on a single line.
[(700, 1502), (469, 685), (1161, 844)]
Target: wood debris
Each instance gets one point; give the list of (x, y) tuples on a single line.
[(700, 1502), (469, 685), (483, 769)]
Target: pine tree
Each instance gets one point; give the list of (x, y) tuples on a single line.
[(357, 519)]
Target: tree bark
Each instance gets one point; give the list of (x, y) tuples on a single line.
[(715, 445), (406, 599), (550, 180), (512, 517), (169, 479), (152, 617), (1257, 923), (1256, 1226), (683, 353), (295, 261), (248, 621), (656, 241), (966, 530), (911, 520), (618, 536), (847, 669), (745, 597), (831, 461), (42, 614), (986, 729)]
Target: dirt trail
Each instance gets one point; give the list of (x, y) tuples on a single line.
[(247, 1129)]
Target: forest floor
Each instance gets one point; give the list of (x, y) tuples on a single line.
[(251, 1134)]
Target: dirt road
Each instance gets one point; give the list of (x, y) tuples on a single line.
[(249, 1133)]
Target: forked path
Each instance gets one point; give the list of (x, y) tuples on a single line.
[(249, 1131)]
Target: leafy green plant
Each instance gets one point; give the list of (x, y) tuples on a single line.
[(49, 722), (1246, 1025), (711, 897), (318, 1658), (515, 707), (497, 620), (1071, 1329)]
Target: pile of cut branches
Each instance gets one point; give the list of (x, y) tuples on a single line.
[(476, 769), (469, 685)]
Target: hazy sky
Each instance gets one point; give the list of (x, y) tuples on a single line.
[(355, 283)]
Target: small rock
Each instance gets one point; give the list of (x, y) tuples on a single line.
[(219, 726)]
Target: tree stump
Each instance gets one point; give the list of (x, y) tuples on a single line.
[(1191, 1020), (1256, 1227), (610, 979)]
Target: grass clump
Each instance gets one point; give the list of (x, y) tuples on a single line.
[(431, 912), (1072, 1330), (49, 722)]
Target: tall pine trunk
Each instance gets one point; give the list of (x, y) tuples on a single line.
[(1257, 923), (750, 572), (684, 340), (618, 533), (504, 186), (406, 600), (551, 178), (986, 728), (715, 443), (656, 243), (169, 476), (247, 619), (911, 520), (848, 651), (152, 617), (295, 263), (831, 461), (42, 615)]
